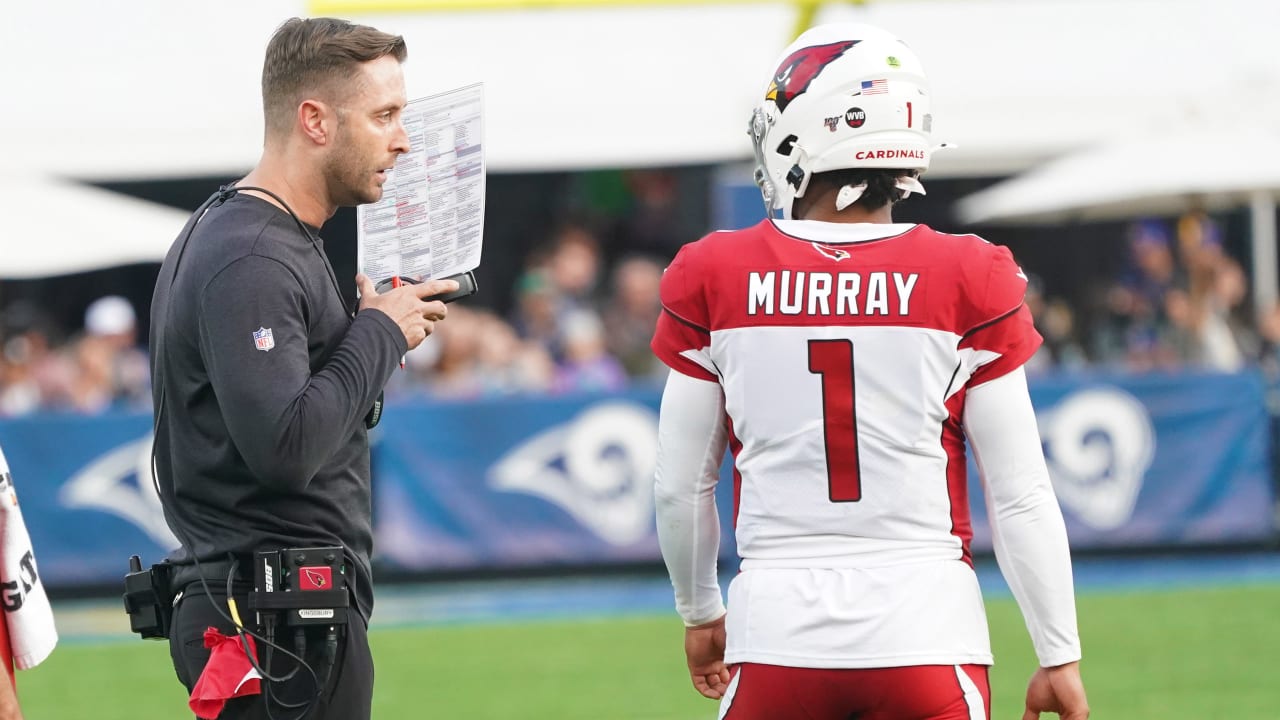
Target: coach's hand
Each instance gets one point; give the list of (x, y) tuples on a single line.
[(704, 651), (1057, 690), (406, 307)]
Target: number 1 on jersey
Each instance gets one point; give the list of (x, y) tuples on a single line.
[(833, 360)]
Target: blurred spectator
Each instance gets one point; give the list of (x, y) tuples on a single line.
[(456, 371), (573, 264), (1207, 312), (532, 369), (107, 369), (587, 365), (538, 307), (1199, 246), (1137, 331), (486, 358), (418, 366), (558, 281), (28, 367), (1055, 322), (631, 314), (1223, 338), (506, 364)]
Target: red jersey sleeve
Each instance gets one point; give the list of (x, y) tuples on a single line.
[(1007, 337), (682, 338)]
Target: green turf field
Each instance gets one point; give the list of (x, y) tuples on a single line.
[(1211, 653)]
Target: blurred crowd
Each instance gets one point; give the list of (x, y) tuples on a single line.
[(1179, 302), (575, 327), (100, 368), (586, 301)]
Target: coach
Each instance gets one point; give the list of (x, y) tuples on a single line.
[(264, 379)]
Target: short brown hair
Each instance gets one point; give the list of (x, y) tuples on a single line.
[(306, 56)]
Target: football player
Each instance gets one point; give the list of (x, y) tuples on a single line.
[(844, 359)]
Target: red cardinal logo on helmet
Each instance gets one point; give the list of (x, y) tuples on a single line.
[(800, 68)]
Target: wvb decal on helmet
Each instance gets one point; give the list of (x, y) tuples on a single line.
[(800, 68)]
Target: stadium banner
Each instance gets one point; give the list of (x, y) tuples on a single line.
[(1153, 460), (516, 482), (83, 484), (1137, 461)]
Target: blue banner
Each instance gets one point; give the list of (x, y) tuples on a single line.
[(507, 483), (736, 202), (84, 489), (1153, 460), (1165, 460)]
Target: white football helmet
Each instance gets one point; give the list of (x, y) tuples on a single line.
[(843, 96)]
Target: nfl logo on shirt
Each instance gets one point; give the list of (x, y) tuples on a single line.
[(263, 340)]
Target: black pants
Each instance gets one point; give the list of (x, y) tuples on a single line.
[(347, 695)]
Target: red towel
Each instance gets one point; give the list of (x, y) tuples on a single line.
[(228, 674)]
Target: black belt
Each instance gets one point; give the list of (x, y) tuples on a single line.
[(213, 572)]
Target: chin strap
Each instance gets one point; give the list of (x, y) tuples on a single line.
[(849, 194)]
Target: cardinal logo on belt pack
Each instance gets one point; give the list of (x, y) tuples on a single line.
[(315, 578), (800, 68), (263, 339)]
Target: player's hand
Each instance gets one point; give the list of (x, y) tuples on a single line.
[(704, 651), (1057, 690), (406, 306)]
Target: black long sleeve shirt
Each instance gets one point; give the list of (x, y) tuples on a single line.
[(262, 380)]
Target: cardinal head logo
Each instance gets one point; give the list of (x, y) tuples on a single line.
[(313, 579), (834, 253), (800, 68)]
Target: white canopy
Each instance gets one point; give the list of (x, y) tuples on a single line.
[(59, 227), (1162, 174), (172, 89), (157, 89), (1158, 174)]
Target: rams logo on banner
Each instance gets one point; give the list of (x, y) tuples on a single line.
[(1099, 443), (800, 68), (119, 482), (598, 467)]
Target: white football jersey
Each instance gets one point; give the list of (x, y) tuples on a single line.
[(844, 357)]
